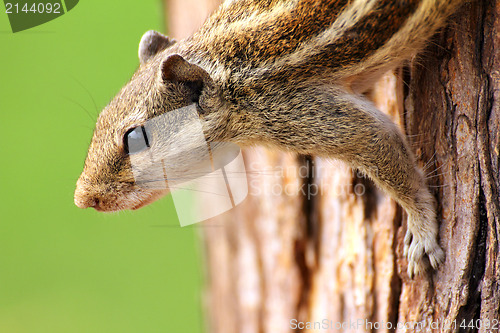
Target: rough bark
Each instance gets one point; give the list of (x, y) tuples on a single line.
[(315, 241)]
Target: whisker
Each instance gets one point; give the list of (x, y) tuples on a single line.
[(194, 190), (415, 135), (429, 162), (434, 176), (437, 169), (81, 106), (195, 225), (88, 93), (438, 186)]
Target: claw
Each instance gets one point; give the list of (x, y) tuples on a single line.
[(415, 248), (410, 269), (436, 257)]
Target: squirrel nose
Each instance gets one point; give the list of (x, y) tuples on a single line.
[(83, 197), (85, 200), (85, 203)]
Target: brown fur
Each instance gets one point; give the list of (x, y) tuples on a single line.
[(282, 74)]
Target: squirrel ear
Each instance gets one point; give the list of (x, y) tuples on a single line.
[(176, 69), (151, 43)]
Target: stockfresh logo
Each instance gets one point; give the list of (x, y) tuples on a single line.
[(28, 14), (171, 152)]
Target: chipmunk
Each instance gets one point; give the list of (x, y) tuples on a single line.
[(282, 73)]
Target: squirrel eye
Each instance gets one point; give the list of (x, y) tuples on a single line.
[(135, 140)]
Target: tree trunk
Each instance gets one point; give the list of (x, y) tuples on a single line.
[(316, 244)]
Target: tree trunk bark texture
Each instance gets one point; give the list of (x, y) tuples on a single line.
[(317, 244)]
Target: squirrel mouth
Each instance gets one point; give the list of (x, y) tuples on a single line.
[(142, 204), (149, 199)]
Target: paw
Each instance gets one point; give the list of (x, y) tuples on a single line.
[(418, 244)]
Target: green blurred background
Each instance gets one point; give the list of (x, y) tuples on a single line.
[(63, 269)]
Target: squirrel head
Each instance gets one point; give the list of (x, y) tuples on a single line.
[(164, 81)]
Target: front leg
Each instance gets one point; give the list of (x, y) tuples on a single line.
[(329, 122)]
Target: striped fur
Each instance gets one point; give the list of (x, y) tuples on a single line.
[(258, 41), (286, 74)]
